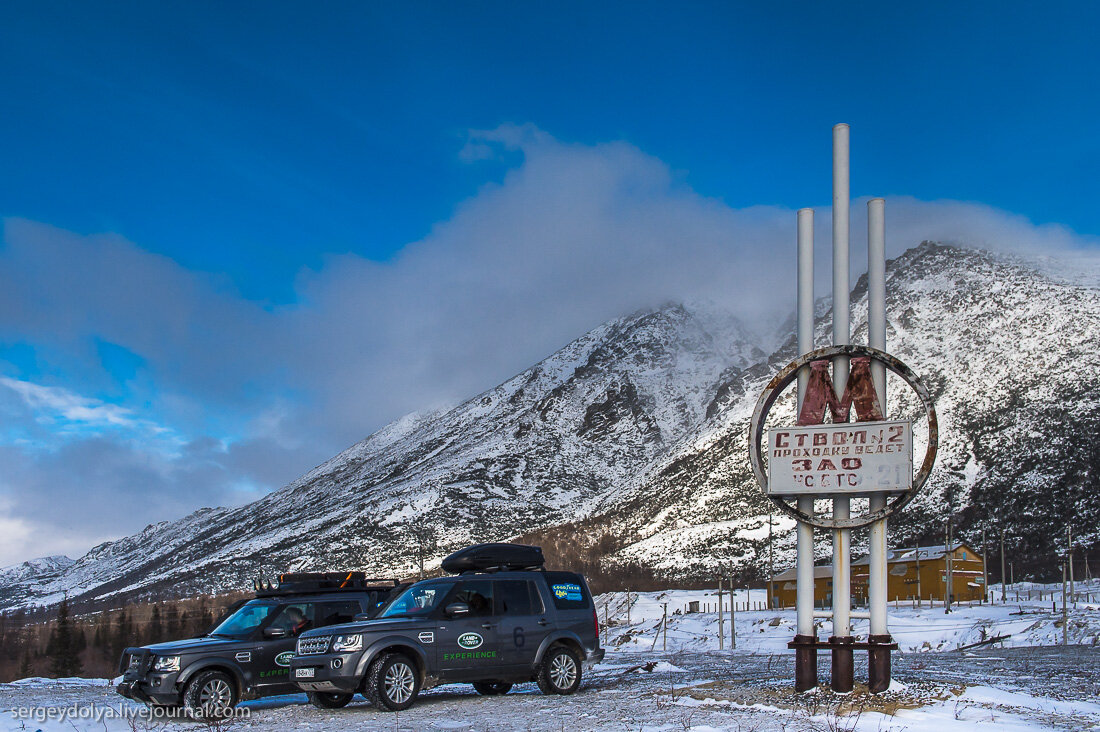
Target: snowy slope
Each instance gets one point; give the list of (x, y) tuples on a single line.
[(538, 450), (639, 427), (1012, 357)]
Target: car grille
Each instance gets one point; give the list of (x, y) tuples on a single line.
[(312, 646)]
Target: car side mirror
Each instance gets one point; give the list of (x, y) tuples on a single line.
[(359, 617), (457, 610), (275, 633)]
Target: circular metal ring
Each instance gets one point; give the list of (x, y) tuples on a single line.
[(779, 384)]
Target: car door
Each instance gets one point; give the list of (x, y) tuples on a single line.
[(522, 622), (271, 660), (469, 646)]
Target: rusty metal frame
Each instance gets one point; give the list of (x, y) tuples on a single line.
[(778, 385)]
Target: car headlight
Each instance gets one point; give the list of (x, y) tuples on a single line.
[(347, 643), (167, 663)]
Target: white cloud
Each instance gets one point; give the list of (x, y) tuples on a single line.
[(572, 236), (54, 402)]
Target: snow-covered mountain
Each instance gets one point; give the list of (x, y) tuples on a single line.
[(541, 449), (34, 570), (637, 430), (1012, 357)]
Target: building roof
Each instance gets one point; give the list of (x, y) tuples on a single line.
[(906, 554), (911, 554), (825, 570)]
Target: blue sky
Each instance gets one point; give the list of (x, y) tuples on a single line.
[(240, 236)]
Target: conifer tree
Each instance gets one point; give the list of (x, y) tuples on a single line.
[(156, 630), (121, 639), (172, 621), (25, 667), (62, 648)]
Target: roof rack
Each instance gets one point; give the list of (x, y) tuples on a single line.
[(300, 583), (494, 558)]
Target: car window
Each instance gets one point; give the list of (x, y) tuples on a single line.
[(418, 600), (567, 589), (245, 620), (295, 618), (513, 597), (537, 606), (478, 594), (332, 613)]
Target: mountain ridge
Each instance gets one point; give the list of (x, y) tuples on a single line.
[(638, 426)]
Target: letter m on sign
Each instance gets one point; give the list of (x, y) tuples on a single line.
[(859, 391)]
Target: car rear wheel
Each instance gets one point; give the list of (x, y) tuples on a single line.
[(393, 682), (326, 700), (491, 688), (560, 671), (211, 694)]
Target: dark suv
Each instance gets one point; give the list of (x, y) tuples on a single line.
[(501, 620), (247, 654)]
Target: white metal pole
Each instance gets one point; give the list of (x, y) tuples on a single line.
[(804, 599), (842, 601), (876, 336)]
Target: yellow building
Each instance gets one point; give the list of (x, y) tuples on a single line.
[(912, 572)]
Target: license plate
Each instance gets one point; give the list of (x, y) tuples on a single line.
[(303, 673)]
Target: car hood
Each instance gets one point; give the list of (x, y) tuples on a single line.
[(378, 625), (195, 645)]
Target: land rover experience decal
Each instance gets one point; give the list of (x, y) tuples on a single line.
[(470, 641), (283, 659)]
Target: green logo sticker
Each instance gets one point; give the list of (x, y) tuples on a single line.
[(283, 659), (470, 640)]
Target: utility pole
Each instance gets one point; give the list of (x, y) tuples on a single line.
[(733, 620), (916, 550), (771, 560), (664, 627), (721, 615), (1065, 612), (1002, 563), (985, 572), (947, 568), (1069, 556)]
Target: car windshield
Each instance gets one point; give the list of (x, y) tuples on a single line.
[(246, 620), (418, 600)]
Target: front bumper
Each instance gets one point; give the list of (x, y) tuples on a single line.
[(140, 683), (153, 689), (332, 672)]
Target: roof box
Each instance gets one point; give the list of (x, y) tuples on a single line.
[(490, 557), (303, 582)]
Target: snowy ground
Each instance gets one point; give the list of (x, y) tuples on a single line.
[(1024, 622), (1025, 682)]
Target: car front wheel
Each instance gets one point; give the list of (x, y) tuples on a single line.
[(393, 682), (560, 671), (211, 694)]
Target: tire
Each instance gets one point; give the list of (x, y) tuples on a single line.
[(211, 695), (393, 682), (559, 672), (492, 688), (327, 700)]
